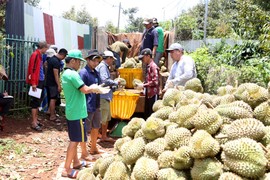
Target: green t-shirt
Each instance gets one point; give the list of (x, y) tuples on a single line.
[(160, 47), (75, 99)]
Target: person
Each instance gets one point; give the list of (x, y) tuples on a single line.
[(151, 83), (53, 81), (103, 69), (160, 47), (76, 111), (5, 103), (183, 68), (35, 77), (90, 76), (120, 51), (150, 36)]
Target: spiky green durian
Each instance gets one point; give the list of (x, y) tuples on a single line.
[(234, 112), (119, 142), (165, 159), (145, 168), (207, 169), (163, 113), (157, 105), (133, 126), (171, 174), (240, 104), (133, 150), (229, 176), (203, 145), (86, 173), (182, 159), (266, 176), (138, 134), (266, 138), (135, 82), (177, 137), (117, 171), (129, 64), (194, 84), (223, 90), (208, 120), (154, 149), (171, 97), (228, 98), (153, 128), (104, 164), (262, 113), (96, 166), (245, 157), (247, 127), (122, 81)]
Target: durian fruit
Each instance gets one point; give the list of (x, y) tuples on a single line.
[(171, 97), (247, 127), (86, 173), (177, 137), (95, 169), (129, 64), (240, 104), (133, 126), (223, 90), (117, 171), (229, 176), (133, 150), (233, 112), (194, 84), (266, 138), (171, 174), (139, 134), (208, 120), (135, 82), (184, 115), (207, 169), (165, 159), (245, 157), (154, 149), (157, 105), (163, 69), (104, 164), (203, 145), (182, 159), (262, 112), (163, 113), (217, 100), (251, 93), (123, 82), (145, 168), (153, 128), (266, 176), (119, 142)]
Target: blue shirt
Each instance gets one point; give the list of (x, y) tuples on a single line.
[(150, 38), (90, 77), (105, 76), (41, 72)]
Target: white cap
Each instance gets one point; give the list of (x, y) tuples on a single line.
[(50, 52), (175, 46), (108, 54)]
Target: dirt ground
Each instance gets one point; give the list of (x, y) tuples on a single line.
[(27, 154)]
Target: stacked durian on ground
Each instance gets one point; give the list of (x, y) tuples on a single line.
[(195, 135)]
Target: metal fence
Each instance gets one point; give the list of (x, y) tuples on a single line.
[(14, 54)]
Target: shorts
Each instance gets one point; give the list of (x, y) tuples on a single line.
[(105, 111), (93, 120), (77, 130), (53, 92), (35, 102)]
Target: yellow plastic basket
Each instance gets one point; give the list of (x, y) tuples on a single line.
[(129, 74), (123, 104)]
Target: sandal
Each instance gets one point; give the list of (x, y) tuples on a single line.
[(83, 164), (36, 128), (39, 124), (73, 174), (56, 120)]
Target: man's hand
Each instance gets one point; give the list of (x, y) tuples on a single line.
[(34, 87)]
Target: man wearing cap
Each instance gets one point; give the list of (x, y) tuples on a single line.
[(183, 68), (53, 81), (76, 111), (120, 51), (160, 47), (151, 83), (150, 36), (104, 72), (90, 76), (35, 77)]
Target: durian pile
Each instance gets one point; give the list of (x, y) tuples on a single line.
[(162, 65), (195, 135), (132, 62)]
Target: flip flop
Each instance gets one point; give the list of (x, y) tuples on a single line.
[(73, 174), (83, 164), (56, 120)]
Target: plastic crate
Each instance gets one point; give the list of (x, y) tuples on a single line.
[(123, 104), (129, 74)]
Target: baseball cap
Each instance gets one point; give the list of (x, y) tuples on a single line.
[(93, 54), (50, 52), (76, 54), (175, 46), (108, 54), (147, 20), (145, 51), (155, 21)]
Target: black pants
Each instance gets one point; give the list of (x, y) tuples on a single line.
[(35, 102), (5, 103), (148, 105)]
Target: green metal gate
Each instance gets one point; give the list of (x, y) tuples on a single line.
[(14, 53)]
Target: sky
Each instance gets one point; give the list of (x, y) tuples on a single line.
[(108, 10)]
